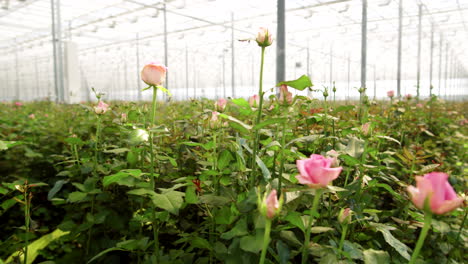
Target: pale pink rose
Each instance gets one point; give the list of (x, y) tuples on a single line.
[(344, 216), (254, 100), (272, 205), (221, 104), (391, 93), (123, 117), (101, 108), (408, 96), (316, 172), (264, 38), (46, 115), (18, 103), (365, 128), (285, 95), (435, 187), (32, 116), (419, 105), (153, 73), (214, 121)]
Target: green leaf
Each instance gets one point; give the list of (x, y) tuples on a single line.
[(198, 242), (304, 139), (266, 173), (102, 253), (241, 102), (214, 200), (390, 139), (344, 108), (391, 240), (269, 122), (283, 252), (107, 180), (142, 192), (224, 159), (295, 219), (372, 256), (299, 84), (117, 150), (74, 141), (35, 247), (57, 186), (240, 229), (170, 201), (4, 145), (233, 119), (75, 197), (191, 195), (320, 229), (252, 243)]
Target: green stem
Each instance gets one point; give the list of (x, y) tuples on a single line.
[(26, 222), (96, 146), (283, 142), (313, 212), (259, 116), (343, 235), (422, 237), (152, 176), (266, 240)]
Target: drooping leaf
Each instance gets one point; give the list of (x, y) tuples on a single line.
[(75, 197), (35, 247), (270, 121), (170, 201), (299, 84), (107, 180), (240, 229), (399, 246), (372, 256), (57, 186)]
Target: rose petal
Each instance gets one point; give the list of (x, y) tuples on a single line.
[(448, 206)]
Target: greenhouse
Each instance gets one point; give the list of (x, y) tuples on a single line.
[(220, 131)]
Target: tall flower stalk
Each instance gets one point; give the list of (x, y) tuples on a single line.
[(264, 39), (154, 75)]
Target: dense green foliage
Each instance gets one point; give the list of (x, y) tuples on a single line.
[(96, 189)]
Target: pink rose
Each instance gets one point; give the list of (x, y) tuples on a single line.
[(221, 104), (264, 38), (101, 108), (344, 216), (419, 105), (316, 172), (408, 96), (270, 206), (285, 95), (435, 187), (153, 73), (18, 103), (32, 116), (391, 93), (214, 121), (254, 100), (365, 128)]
